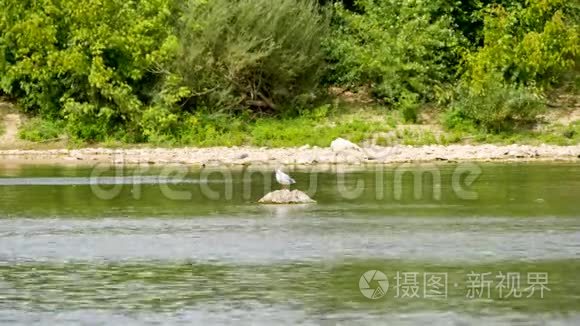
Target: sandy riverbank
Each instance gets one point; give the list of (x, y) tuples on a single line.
[(305, 155)]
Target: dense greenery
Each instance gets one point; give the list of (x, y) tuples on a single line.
[(88, 64), (399, 48), (526, 51), (199, 71), (233, 58)]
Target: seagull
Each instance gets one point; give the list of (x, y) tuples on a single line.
[(284, 179)]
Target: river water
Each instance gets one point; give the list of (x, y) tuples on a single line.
[(445, 244)]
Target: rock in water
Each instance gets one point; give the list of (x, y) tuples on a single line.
[(286, 196)]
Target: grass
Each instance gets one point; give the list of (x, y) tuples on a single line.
[(297, 132), (316, 128), (360, 124), (3, 110), (39, 130), (555, 134)]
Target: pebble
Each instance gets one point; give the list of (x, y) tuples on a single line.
[(305, 155)]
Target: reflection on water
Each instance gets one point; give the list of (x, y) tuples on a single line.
[(68, 256), (80, 181), (256, 314), (306, 290), (500, 190), (285, 210)]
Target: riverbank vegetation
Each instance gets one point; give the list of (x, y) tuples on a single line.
[(258, 72)]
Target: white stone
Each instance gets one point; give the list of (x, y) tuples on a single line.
[(341, 144)]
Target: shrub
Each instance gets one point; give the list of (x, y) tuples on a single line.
[(37, 129), (409, 107), (137, 70), (258, 54), (525, 51), (532, 46), (496, 107), (395, 46), (87, 62)]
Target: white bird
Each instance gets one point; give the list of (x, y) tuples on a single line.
[(284, 179)]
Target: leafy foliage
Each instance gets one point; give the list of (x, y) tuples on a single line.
[(526, 49), (86, 63), (251, 71), (534, 45), (496, 106), (258, 54), (138, 69), (398, 47)]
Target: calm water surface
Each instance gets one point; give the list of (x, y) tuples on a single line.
[(169, 245)]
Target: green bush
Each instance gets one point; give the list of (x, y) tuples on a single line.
[(87, 62), (394, 46), (532, 46), (526, 50), (258, 54), (496, 106), (37, 129), (409, 107), (136, 70), (249, 71)]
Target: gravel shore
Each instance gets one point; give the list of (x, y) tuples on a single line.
[(304, 155)]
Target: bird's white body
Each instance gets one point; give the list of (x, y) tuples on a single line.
[(283, 178)]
